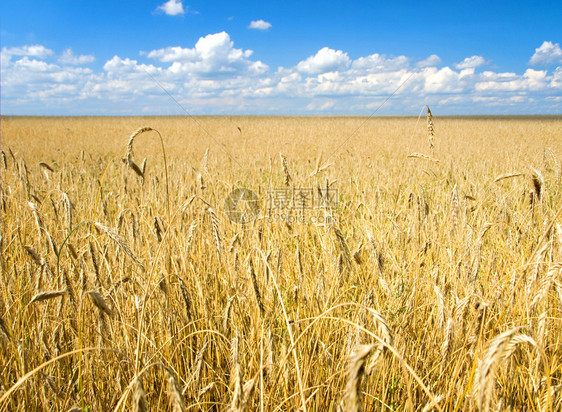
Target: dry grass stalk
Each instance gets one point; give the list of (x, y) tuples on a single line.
[(285, 170), (51, 242), (215, 230), (342, 246), (12, 155), (185, 296), (205, 161), (236, 374), (206, 390), (456, 209), (430, 129), (551, 277), (199, 363), (120, 242), (99, 302), (69, 288), (38, 220), (538, 182), (46, 295), (248, 390), (498, 349), (72, 250), (226, 314), (352, 400), (448, 337), (38, 260), (129, 154), (508, 176), (252, 273), (139, 397), (45, 168), (162, 284), (158, 228), (190, 238), (3, 329), (137, 169), (201, 182), (143, 167), (432, 404), (423, 156), (238, 395), (177, 403), (357, 254), (68, 207)]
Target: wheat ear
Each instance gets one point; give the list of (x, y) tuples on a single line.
[(139, 397), (430, 128), (499, 348), (355, 371)]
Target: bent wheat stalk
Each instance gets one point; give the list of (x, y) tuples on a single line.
[(128, 159)]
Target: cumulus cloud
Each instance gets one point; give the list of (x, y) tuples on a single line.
[(213, 76), (67, 57), (548, 53), (531, 80), (259, 25), (213, 54), (431, 61), (471, 62), (172, 8), (38, 51), (326, 60), (376, 63)]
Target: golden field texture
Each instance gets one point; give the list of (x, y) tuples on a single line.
[(433, 283)]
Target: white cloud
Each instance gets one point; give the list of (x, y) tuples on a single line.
[(531, 80), (259, 25), (172, 7), (547, 54), (432, 61), (377, 63), (173, 54), (326, 60), (38, 51), (443, 80), (212, 55), (471, 62), (67, 57), (214, 77)]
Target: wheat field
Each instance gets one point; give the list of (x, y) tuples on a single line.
[(432, 282)]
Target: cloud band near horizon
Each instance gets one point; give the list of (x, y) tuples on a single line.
[(215, 77)]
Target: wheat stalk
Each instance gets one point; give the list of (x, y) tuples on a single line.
[(99, 302), (430, 129), (355, 370), (175, 394), (498, 349), (285, 170), (117, 239), (139, 397), (508, 176), (423, 156), (46, 295), (129, 154), (215, 230), (553, 273), (538, 182), (255, 284)]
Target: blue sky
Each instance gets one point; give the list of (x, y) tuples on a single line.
[(122, 57)]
